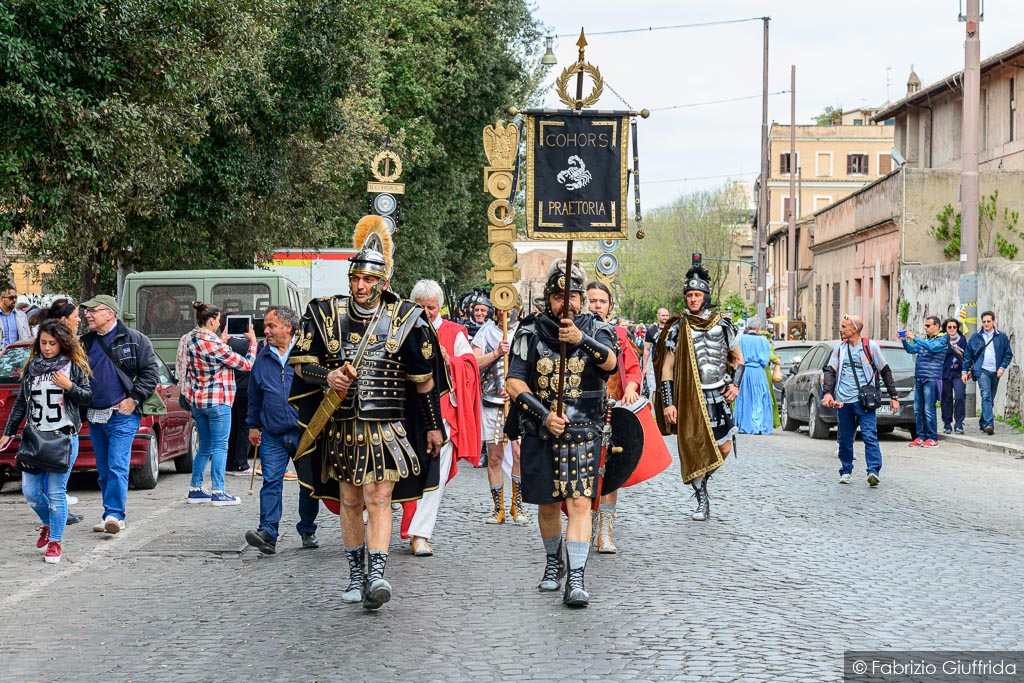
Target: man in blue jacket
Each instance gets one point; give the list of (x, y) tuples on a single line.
[(274, 429), (931, 353), (986, 358)]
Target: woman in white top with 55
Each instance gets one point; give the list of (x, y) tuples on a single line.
[(54, 383)]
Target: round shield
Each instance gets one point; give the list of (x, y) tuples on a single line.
[(385, 204), (607, 264), (609, 245), (390, 222), (627, 447)]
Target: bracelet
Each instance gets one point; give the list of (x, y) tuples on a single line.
[(599, 352), (667, 393), (532, 406)]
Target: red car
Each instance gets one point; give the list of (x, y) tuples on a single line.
[(160, 438)]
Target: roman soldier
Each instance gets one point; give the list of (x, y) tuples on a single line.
[(491, 344), (368, 380), (561, 422), (699, 367)]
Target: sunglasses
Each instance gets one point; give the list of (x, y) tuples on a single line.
[(11, 297)]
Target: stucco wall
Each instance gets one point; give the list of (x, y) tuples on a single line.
[(934, 290)]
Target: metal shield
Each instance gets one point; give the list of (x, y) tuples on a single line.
[(627, 435)]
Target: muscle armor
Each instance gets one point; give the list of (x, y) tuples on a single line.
[(576, 452), (365, 440), (711, 352)]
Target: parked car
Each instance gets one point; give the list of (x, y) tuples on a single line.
[(790, 353), (160, 438), (802, 393)]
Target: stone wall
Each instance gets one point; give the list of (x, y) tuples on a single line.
[(935, 290)]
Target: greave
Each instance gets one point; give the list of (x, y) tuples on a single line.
[(515, 508)]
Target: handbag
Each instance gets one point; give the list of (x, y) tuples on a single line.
[(777, 373), (43, 451), (870, 395)]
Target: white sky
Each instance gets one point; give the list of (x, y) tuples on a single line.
[(841, 52)]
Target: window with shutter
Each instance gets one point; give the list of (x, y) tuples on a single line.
[(857, 164), (884, 164)]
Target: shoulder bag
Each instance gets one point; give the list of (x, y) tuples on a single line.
[(153, 404), (43, 451), (870, 395)]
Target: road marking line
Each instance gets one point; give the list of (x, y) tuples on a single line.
[(103, 550)]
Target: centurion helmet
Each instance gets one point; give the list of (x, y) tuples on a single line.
[(697, 280), (373, 241), (556, 282)]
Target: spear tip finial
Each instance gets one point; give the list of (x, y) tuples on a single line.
[(582, 43)]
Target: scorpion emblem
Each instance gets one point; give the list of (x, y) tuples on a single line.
[(577, 174)]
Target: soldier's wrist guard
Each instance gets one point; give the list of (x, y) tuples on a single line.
[(737, 376), (430, 408), (666, 393), (314, 374), (532, 406), (596, 350)]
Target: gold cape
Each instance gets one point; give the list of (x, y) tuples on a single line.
[(698, 448)]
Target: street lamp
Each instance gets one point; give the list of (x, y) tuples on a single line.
[(549, 53)]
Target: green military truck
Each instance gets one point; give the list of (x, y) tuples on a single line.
[(159, 303)]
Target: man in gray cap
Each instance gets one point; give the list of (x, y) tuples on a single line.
[(124, 374)]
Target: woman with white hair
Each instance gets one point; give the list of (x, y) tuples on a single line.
[(460, 412)]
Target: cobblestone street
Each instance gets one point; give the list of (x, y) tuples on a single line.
[(791, 570)]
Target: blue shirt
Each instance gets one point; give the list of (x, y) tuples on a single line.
[(269, 384), (846, 386), (107, 389), (10, 323)]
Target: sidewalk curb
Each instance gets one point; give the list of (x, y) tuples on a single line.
[(986, 444)]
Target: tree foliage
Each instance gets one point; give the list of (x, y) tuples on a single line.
[(652, 270), (203, 133), (830, 116), (997, 232)]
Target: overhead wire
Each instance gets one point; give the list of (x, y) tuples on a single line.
[(662, 28)]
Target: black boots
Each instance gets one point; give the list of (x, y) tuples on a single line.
[(575, 593), (378, 591), (703, 511), (554, 570), (356, 575)]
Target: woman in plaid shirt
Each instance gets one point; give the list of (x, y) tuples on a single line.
[(210, 389)]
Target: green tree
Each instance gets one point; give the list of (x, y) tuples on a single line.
[(652, 270), (997, 231), (830, 116), (202, 133)]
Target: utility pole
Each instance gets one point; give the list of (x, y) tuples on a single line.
[(969, 189), (791, 274), (761, 239)]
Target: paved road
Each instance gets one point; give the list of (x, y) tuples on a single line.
[(792, 569)]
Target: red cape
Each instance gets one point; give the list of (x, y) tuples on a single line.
[(464, 421)]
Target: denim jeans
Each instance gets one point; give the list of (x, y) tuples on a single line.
[(849, 416), (987, 385), (275, 451), (926, 392), (46, 493), (214, 427), (953, 406), (112, 444)]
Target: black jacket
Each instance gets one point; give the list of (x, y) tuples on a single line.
[(76, 399), (138, 367)]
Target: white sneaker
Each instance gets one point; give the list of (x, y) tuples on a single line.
[(72, 500), (112, 525), (846, 479)]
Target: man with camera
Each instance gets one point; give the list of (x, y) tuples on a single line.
[(851, 385), (931, 354)]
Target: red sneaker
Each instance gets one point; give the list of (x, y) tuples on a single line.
[(52, 555), (930, 443), (44, 537), (916, 442)]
